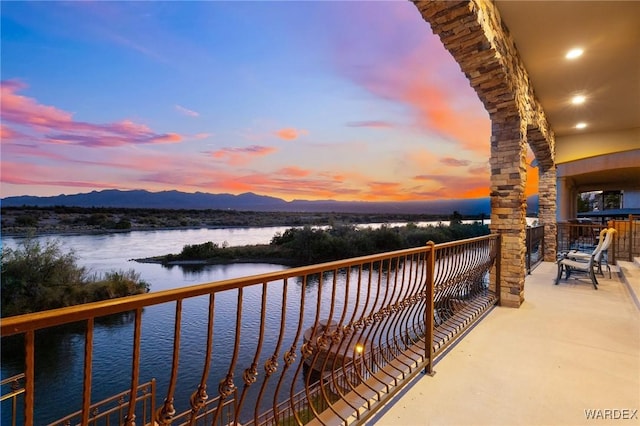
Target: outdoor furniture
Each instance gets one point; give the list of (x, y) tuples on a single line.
[(603, 245), (574, 265)]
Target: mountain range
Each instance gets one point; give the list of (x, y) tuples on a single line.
[(252, 202)]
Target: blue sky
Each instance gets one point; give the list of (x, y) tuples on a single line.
[(298, 100)]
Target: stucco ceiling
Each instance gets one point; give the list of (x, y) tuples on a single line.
[(607, 74)]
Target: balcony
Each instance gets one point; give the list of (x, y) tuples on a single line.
[(328, 343), (344, 343), (568, 349), (333, 343)]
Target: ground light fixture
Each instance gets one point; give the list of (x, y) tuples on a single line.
[(359, 348)]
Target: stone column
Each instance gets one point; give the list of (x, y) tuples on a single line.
[(509, 203), (547, 210)]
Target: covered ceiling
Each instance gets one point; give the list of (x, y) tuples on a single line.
[(607, 74)]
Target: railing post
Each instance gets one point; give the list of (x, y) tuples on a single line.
[(528, 255), (135, 369), (614, 243), (429, 308), (29, 374), (542, 247), (498, 268), (630, 238), (88, 358)]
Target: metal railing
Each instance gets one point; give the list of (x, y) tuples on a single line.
[(577, 236), (112, 409), (16, 388), (584, 237), (326, 343), (626, 245), (535, 246)]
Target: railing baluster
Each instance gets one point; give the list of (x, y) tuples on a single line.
[(290, 355), (271, 365), (384, 312), (199, 397), (370, 320), (135, 369), (429, 308), (251, 373), (353, 330), (313, 347), (347, 350), (329, 341), (227, 386), (165, 414)]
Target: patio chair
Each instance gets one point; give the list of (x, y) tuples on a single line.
[(570, 266), (587, 253), (605, 240)]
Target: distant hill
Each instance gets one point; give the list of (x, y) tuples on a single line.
[(251, 202)]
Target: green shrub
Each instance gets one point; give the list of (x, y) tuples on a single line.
[(37, 277), (26, 220)]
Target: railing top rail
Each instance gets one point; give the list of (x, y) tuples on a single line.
[(465, 241), (37, 320), (11, 379), (581, 225)]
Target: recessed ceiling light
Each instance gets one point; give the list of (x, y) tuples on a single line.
[(574, 53), (581, 125), (578, 99)]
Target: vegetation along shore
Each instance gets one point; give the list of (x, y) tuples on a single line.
[(62, 219), (308, 245)]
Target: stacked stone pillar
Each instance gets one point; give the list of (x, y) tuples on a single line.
[(509, 204), (547, 210), (473, 32)]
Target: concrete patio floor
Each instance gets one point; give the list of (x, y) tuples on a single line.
[(569, 348)]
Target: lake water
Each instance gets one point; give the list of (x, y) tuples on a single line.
[(59, 355)]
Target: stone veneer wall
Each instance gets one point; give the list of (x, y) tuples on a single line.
[(473, 33)]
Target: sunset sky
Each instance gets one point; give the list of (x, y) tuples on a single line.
[(297, 100)]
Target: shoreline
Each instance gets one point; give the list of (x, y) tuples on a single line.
[(36, 232), (26, 221), (204, 262)]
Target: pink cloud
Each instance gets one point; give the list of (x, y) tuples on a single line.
[(238, 156), (290, 134), (402, 62), (8, 134), (479, 170), (294, 172), (454, 162), (14, 173), (374, 124), (187, 111), (457, 186), (52, 125), (199, 136)]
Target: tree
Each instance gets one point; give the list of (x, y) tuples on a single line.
[(38, 277), (456, 218), (583, 203)]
